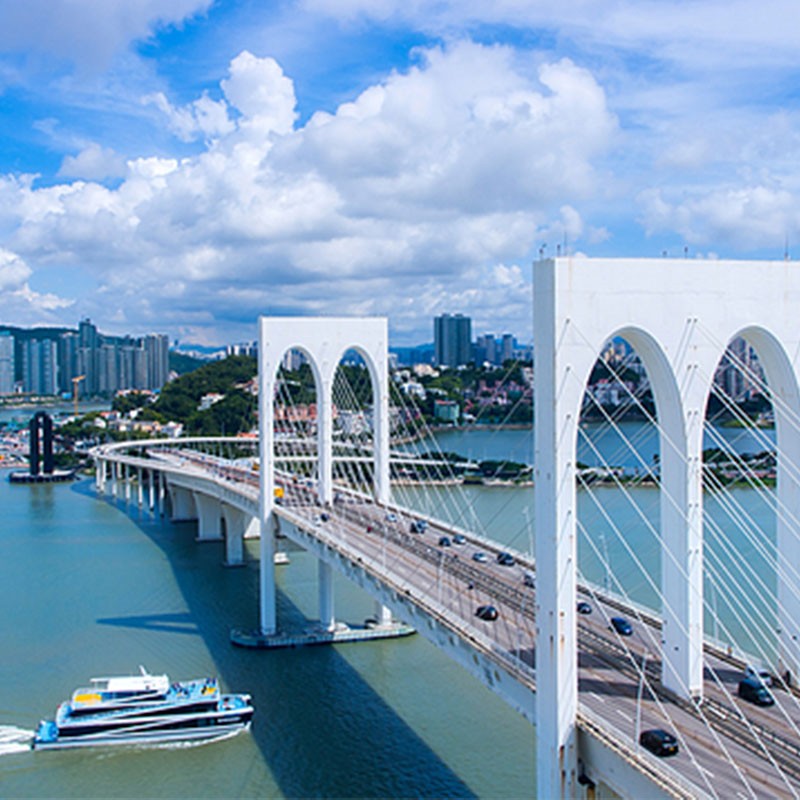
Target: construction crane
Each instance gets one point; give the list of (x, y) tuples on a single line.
[(75, 382)]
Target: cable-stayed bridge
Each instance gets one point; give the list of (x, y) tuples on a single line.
[(589, 690)]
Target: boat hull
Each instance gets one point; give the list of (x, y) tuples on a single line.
[(207, 734)]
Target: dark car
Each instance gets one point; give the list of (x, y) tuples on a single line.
[(419, 526), (459, 539), (621, 626), (584, 607), (444, 541), (480, 557), (529, 579), (755, 691), (659, 742), (488, 613), (505, 559)]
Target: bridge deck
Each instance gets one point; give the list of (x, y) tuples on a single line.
[(728, 748)]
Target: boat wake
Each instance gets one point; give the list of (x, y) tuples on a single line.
[(14, 740), (196, 742)]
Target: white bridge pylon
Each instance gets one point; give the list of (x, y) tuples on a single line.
[(323, 341), (679, 316)]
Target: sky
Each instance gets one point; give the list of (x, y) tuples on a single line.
[(185, 166)]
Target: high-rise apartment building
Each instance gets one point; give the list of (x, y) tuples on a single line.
[(156, 348), (7, 363), (507, 348), (40, 366), (452, 340), (85, 359)]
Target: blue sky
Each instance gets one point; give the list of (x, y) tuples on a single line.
[(187, 165)]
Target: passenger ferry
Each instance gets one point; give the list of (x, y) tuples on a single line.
[(144, 709)]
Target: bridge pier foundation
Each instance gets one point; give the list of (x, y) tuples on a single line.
[(209, 518), (139, 487), (182, 503), (327, 618), (235, 523)]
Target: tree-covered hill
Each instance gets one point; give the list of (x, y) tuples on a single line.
[(179, 399)]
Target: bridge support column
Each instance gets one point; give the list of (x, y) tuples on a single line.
[(383, 614), (557, 402), (209, 518), (267, 604), (115, 479), (139, 487), (327, 619), (151, 490), (162, 492), (788, 546), (126, 477), (182, 504), (682, 557), (234, 535)]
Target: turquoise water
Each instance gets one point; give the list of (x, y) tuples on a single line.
[(89, 589), (614, 446)]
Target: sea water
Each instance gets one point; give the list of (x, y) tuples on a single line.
[(90, 588)]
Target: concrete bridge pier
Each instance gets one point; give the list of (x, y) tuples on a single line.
[(268, 624), (139, 487), (327, 619), (209, 518), (100, 476), (115, 480), (151, 491), (383, 614), (236, 523), (162, 492), (182, 502), (126, 478)]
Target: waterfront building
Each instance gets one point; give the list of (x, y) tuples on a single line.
[(58, 361), (452, 340), (68, 346), (39, 366), (446, 410), (7, 363)]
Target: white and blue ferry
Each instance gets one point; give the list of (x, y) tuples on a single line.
[(144, 709)]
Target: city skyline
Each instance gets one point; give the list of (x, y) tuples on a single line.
[(189, 165)]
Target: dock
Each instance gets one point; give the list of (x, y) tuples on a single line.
[(317, 635)]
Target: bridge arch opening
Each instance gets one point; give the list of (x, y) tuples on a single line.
[(751, 470), (355, 398), (631, 477), (296, 401)]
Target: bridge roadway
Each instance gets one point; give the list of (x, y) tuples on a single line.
[(728, 747)]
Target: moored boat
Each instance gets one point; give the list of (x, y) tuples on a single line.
[(144, 709)]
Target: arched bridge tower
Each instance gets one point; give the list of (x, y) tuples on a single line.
[(323, 341), (680, 316)]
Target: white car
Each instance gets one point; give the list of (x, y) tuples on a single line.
[(390, 517)]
